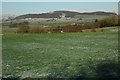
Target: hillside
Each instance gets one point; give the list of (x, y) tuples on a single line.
[(56, 14)]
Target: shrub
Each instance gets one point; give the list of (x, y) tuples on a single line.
[(56, 30), (93, 30), (97, 25), (13, 25), (89, 25), (37, 30), (96, 20), (23, 27), (73, 28), (68, 28), (102, 30), (111, 21), (119, 21), (79, 28)]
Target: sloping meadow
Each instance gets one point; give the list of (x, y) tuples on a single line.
[(61, 55)]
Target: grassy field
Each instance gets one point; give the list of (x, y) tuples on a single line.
[(60, 55)]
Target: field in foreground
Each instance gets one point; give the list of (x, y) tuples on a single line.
[(60, 55)]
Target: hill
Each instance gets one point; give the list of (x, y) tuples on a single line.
[(57, 14)]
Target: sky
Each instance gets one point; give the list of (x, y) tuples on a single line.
[(60, 0), (19, 8)]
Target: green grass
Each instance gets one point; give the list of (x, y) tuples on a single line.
[(100, 29), (58, 55)]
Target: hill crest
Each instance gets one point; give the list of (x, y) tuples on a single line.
[(57, 14)]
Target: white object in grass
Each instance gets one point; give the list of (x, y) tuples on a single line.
[(61, 31)]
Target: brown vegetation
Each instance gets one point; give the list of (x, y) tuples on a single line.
[(37, 30), (73, 28), (23, 27), (111, 21)]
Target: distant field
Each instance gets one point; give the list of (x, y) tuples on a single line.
[(54, 22), (92, 16), (60, 55)]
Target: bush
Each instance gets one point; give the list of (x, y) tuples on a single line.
[(89, 25), (102, 30), (23, 27), (93, 30), (13, 25), (111, 21), (96, 20), (55, 30), (119, 22), (73, 28), (37, 30)]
